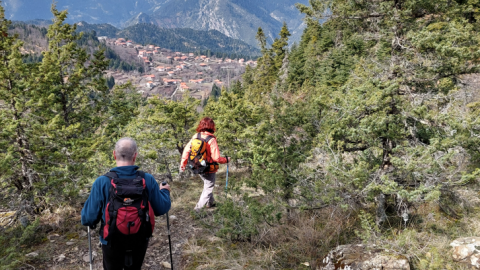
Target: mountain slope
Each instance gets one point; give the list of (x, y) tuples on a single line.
[(235, 18), (238, 19), (115, 12), (180, 39)]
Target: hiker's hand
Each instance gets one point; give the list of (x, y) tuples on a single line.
[(164, 185), (182, 169), (228, 159)]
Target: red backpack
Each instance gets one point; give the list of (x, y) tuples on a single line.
[(128, 214)]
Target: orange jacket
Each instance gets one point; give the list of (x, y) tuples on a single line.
[(213, 154)]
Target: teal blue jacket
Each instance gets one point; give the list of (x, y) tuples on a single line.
[(94, 207)]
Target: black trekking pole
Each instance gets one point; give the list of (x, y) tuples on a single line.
[(90, 247), (226, 184), (169, 241)]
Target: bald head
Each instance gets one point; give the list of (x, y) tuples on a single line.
[(125, 149)]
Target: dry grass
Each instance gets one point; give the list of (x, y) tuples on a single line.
[(185, 193), (426, 239), (301, 237), (301, 240), (307, 236)]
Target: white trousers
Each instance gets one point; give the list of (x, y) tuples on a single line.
[(206, 199)]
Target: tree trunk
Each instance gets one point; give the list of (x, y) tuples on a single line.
[(381, 215)]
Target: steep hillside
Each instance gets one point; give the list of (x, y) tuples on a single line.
[(235, 18), (35, 42), (34, 37), (238, 19)]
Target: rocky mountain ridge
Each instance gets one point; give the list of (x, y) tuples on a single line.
[(238, 19)]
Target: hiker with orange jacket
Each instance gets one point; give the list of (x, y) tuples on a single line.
[(205, 129)]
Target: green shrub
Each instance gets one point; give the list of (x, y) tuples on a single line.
[(240, 221)]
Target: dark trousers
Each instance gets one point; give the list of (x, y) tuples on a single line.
[(114, 257)]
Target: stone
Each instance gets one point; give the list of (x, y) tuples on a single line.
[(86, 257), (462, 252), (61, 257), (166, 265), (32, 254), (53, 237), (361, 257), (466, 250), (24, 221), (70, 243), (6, 218), (172, 218)]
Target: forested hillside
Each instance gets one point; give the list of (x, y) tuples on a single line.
[(35, 41), (366, 132), (179, 39)]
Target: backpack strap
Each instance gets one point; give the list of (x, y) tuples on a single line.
[(111, 175), (209, 137), (141, 174)]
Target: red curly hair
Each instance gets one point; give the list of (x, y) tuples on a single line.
[(206, 124)]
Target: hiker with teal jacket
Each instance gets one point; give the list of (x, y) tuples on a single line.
[(125, 201)]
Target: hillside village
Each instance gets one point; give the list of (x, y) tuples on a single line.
[(170, 74)]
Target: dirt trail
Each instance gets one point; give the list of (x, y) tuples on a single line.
[(70, 251), (181, 228)]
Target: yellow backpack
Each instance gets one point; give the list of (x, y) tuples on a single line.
[(197, 158)]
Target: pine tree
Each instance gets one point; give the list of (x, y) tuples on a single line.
[(166, 126), (20, 128), (235, 119), (51, 114), (216, 92), (387, 79), (280, 47), (110, 82), (265, 73)]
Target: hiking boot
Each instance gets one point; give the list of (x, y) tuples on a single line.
[(214, 204)]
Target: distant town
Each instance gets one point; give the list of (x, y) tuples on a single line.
[(170, 74)]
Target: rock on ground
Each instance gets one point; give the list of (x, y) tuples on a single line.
[(361, 257), (32, 254), (467, 250), (6, 218)]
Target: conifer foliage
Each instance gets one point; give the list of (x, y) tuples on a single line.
[(371, 110), (50, 113), (389, 81)]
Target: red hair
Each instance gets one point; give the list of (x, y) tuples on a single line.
[(206, 124)]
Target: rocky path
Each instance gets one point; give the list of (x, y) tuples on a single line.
[(70, 251)]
